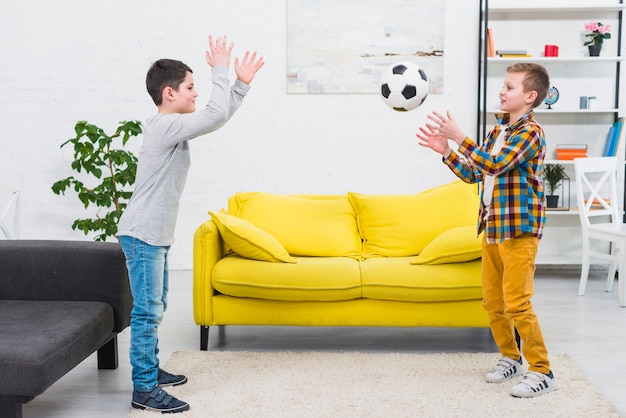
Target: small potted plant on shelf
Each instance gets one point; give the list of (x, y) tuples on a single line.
[(597, 33), (553, 175)]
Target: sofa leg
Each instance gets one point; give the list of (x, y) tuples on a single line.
[(108, 356), (204, 338), (11, 406)]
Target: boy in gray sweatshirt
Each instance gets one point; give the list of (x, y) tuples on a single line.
[(146, 228)]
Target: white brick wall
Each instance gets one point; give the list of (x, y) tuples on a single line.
[(86, 60)]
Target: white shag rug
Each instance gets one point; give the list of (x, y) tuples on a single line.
[(326, 384)]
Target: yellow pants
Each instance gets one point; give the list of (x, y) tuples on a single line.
[(508, 285)]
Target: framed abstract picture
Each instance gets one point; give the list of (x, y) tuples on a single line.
[(342, 46)]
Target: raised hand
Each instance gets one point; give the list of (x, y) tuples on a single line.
[(446, 126), (218, 54), (248, 67), (430, 138)]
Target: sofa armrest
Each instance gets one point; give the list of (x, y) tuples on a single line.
[(208, 249), (66, 270)]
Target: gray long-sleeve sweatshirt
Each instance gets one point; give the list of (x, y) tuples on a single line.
[(164, 160)]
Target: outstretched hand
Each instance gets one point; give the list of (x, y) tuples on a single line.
[(446, 126), (248, 67), (429, 138), (436, 135), (218, 54)]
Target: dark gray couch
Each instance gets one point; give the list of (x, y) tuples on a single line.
[(60, 301)]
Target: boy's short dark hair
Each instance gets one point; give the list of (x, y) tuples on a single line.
[(536, 79), (165, 73)]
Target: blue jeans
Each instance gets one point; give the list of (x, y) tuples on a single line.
[(147, 271)]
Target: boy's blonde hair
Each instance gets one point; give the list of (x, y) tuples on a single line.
[(535, 79)]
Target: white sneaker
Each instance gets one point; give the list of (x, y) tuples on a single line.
[(504, 370), (534, 384)]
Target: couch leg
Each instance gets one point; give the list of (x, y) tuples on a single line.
[(204, 338), (107, 355), (11, 406)]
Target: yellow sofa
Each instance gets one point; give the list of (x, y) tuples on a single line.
[(341, 260)]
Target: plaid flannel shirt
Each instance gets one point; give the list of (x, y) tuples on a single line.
[(517, 205)]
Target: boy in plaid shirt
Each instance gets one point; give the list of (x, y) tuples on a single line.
[(509, 164)]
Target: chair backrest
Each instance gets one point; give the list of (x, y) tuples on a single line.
[(10, 216), (596, 189)]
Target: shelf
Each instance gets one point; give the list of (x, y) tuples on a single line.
[(568, 162), (556, 60), (557, 110), (561, 212), (564, 162), (591, 7)]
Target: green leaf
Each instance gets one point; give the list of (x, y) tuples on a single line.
[(94, 154)]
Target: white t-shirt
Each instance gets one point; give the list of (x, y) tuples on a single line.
[(489, 179)]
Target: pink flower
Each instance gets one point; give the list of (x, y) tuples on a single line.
[(597, 33)]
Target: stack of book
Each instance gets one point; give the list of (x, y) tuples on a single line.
[(512, 53), (595, 203), (571, 151), (613, 138)]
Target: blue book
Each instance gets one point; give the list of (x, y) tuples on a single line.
[(618, 132), (607, 143)]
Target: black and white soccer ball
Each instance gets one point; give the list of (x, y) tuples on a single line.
[(404, 86)]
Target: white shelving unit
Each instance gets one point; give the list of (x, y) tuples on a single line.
[(573, 73)]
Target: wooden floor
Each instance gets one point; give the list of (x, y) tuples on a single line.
[(591, 329)]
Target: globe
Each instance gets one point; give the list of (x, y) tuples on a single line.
[(552, 97)]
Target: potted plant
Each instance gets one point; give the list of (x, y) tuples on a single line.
[(597, 33), (553, 174), (108, 174)]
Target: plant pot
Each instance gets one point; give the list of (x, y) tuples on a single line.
[(594, 50), (552, 201)]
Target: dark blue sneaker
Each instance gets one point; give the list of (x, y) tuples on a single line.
[(167, 379), (158, 400)]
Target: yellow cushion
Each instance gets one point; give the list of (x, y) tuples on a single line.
[(393, 278), (317, 227), (311, 279), (455, 245), (402, 225), (248, 240)]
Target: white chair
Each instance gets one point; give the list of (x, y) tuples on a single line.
[(10, 216), (596, 194)]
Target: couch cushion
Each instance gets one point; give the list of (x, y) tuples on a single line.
[(455, 245), (43, 340), (305, 226), (248, 240), (310, 279), (396, 279), (402, 225)]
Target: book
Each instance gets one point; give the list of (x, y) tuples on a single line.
[(595, 203), (570, 155), (618, 133), (572, 151), (607, 143), (511, 52), (613, 138), (491, 50), (515, 55), (571, 146)]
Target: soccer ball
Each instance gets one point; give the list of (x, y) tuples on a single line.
[(404, 86)]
